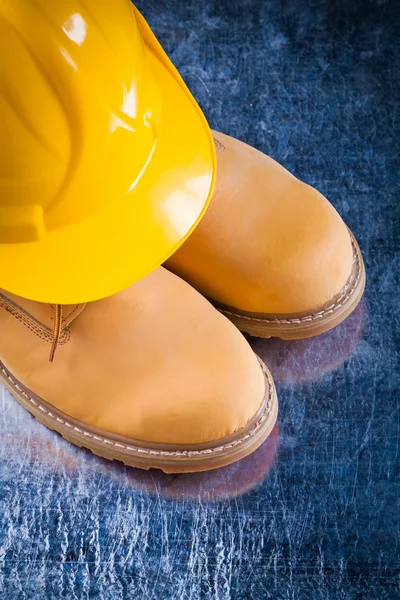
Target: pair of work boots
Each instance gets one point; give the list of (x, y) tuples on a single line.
[(158, 375)]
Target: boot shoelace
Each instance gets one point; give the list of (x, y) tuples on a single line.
[(56, 330)]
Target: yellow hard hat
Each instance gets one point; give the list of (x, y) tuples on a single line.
[(106, 161)]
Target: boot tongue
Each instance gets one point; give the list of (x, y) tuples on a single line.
[(44, 313)]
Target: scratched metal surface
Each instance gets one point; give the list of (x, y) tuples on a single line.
[(314, 513)]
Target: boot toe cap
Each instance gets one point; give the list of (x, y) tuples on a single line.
[(307, 256)]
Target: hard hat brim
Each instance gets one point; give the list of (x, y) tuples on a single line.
[(133, 234)]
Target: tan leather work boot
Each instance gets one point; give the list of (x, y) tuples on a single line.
[(153, 376), (271, 252)]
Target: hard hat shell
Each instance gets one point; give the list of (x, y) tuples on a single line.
[(106, 161)]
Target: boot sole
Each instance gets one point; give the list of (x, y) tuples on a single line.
[(134, 453), (303, 325)]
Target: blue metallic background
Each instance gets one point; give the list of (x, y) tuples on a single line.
[(314, 513)]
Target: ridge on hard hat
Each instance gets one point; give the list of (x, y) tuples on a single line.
[(106, 161)]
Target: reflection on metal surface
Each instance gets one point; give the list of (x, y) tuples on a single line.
[(297, 361), (27, 442), (219, 484)]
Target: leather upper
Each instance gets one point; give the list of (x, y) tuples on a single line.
[(155, 362), (268, 242)]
